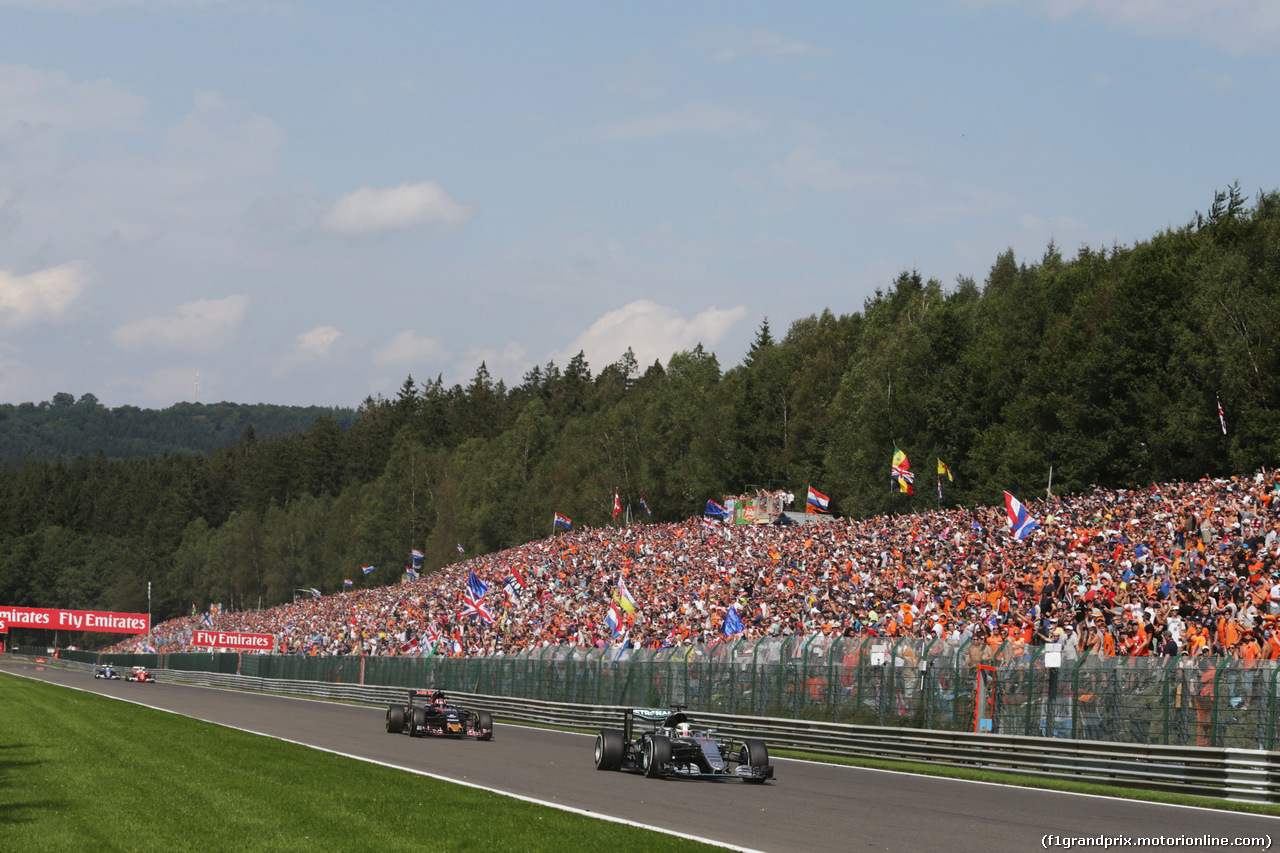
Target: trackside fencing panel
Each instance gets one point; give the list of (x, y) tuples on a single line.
[(908, 684)]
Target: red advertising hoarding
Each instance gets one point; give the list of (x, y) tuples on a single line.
[(75, 620), (234, 640)]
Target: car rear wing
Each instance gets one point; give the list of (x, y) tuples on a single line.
[(665, 717)]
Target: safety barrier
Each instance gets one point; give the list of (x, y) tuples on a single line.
[(909, 683), (1236, 774)]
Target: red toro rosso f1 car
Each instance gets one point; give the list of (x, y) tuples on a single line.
[(432, 715), (673, 748)]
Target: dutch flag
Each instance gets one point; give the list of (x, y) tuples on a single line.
[(818, 500)]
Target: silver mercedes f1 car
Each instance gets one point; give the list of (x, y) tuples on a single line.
[(672, 747)]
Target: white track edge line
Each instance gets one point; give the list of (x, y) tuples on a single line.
[(564, 808)]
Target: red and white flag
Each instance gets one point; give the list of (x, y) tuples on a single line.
[(617, 505)]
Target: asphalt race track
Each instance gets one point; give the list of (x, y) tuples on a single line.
[(809, 807)]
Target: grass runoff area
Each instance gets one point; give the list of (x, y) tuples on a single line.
[(85, 772)]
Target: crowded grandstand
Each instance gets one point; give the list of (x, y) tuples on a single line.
[(1172, 569)]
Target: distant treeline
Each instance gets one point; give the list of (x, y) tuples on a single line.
[(1107, 365), (66, 427)]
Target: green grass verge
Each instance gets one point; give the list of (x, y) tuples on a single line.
[(84, 772)]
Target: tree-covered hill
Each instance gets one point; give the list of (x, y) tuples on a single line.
[(67, 427), (1108, 364)]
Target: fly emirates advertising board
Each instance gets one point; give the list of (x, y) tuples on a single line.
[(75, 620), (234, 640)]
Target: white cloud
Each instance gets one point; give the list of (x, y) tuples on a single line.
[(511, 360), (318, 341), (197, 326), (654, 332), (761, 42), (804, 168), (1239, 26), (369, 211), (38, 98), (41, 295), (691, 118), (407, 349), (309, 348), (225, 133)]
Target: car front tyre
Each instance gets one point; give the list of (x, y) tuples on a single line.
[(657, 755), (754, 754)]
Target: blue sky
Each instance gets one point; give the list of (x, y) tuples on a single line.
[(304, 203)]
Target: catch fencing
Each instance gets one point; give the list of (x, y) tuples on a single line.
[(1219, 702), (1238, 774)]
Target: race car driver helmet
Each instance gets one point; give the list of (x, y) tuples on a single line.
[(684, 730)]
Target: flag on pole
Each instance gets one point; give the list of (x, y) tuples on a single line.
[(412, 574), (715, 510), (515, 573), (347, 582), (366, 569), (818, 502), (511, 587), (1020, 521), (474, 608), (563, 521), (1222, 418), (624, 599), (476, 586), (901, 472), (732, 623), (645, 506), (315, 593), (613, 618), (943, 468), (461, 550), (617, 505), (415, 560)]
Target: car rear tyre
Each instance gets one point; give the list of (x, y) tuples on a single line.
[(484, 722), (419, 722), (611, 746), (657, 755), (754, 754), (395, 720)]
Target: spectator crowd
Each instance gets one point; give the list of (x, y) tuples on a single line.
[(1187, 568)]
